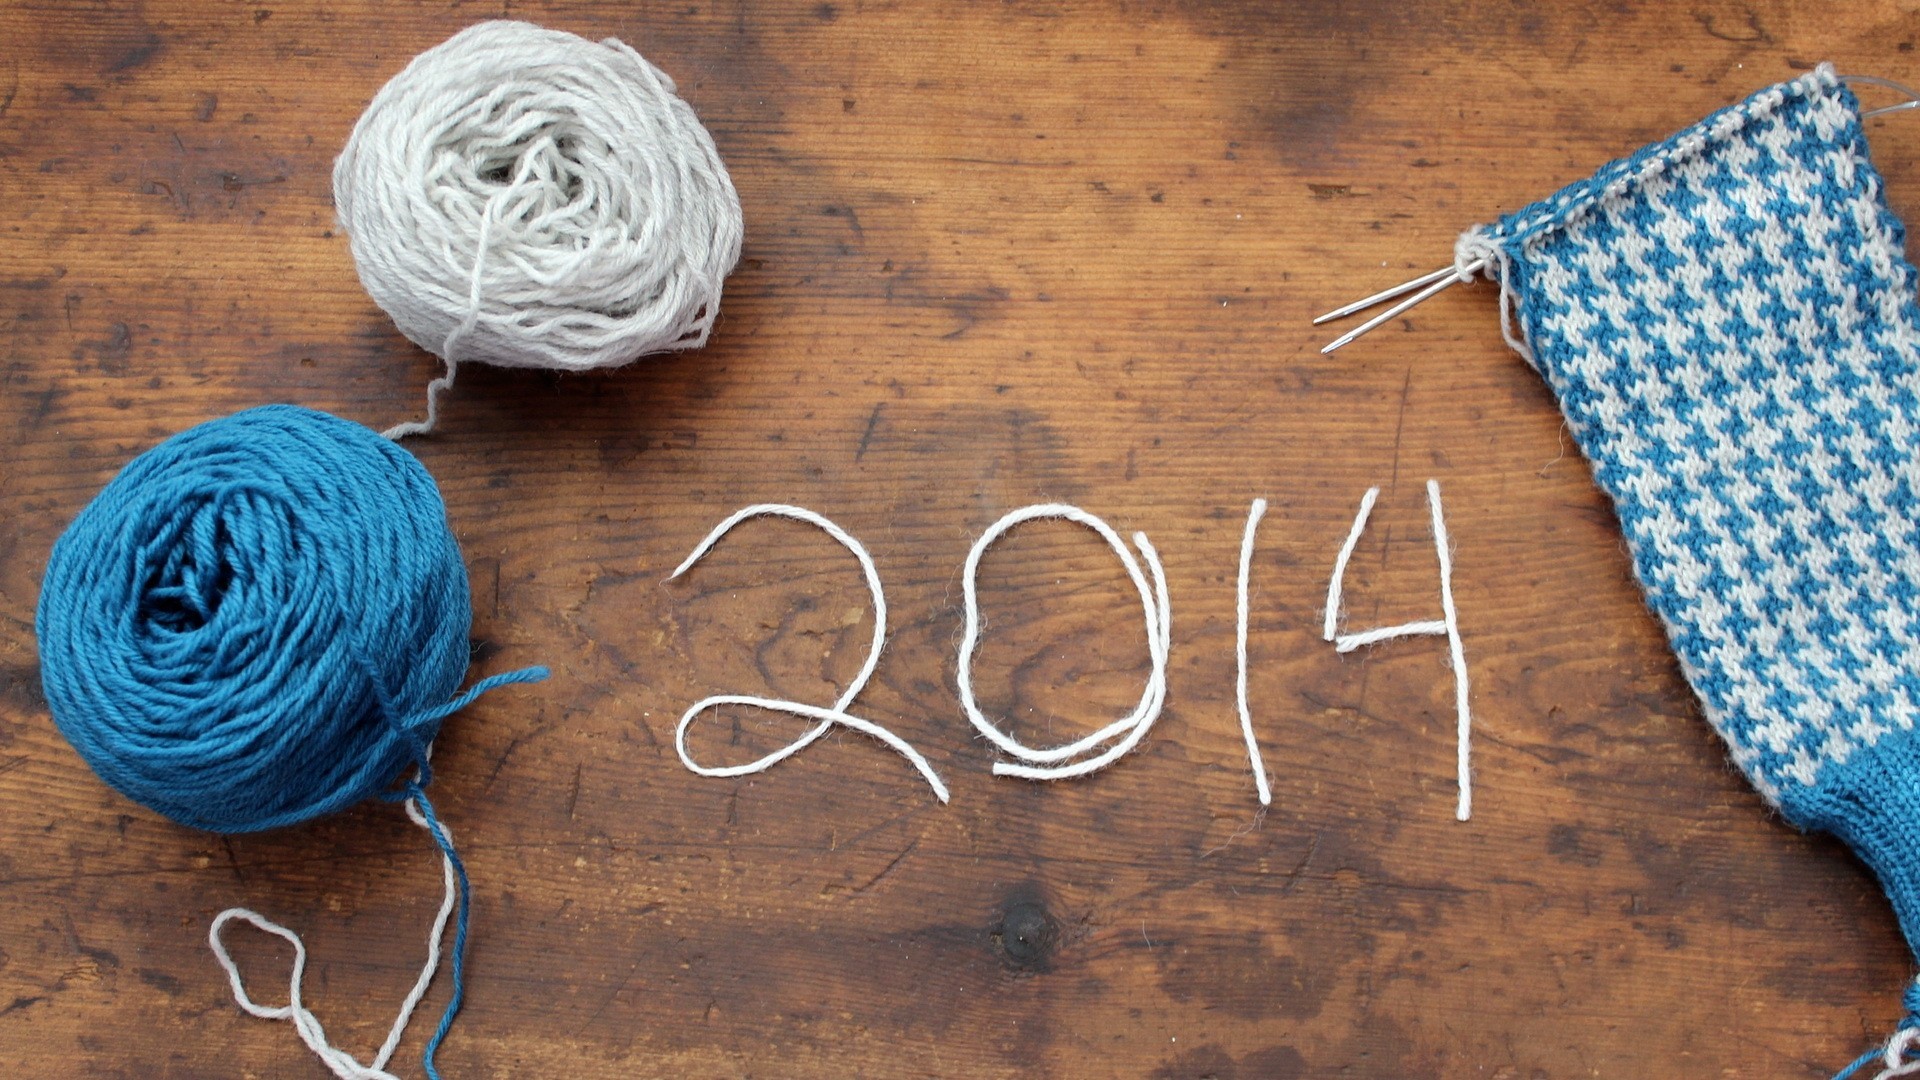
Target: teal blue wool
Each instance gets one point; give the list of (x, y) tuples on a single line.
[(1728, 320), (262, 620)]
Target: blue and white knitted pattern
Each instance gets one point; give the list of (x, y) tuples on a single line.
[(1728, 321)]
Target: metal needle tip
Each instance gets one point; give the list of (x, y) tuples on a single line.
[(1392, 312), (1383, 295)]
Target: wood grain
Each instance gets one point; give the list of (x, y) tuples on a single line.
[(997, 254)]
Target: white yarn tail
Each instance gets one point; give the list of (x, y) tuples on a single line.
[(1473, 249), (1259, 765), (1904, 1042), (344, 1065), (467, 322), (421, 427), (1129, 729), (828, 717), (1448, 626)]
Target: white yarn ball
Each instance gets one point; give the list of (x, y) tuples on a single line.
[(530, 198)]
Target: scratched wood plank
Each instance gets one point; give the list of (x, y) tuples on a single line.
[(996, 255)]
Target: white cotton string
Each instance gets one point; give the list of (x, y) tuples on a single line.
[(828, 717), (1159, 646), (1132, 727), (970, 640), (1340, 562), (1348, 642), (1448, 626), (1457, 654), (540, 200), (1259, 765), (421, 427), (859, 683), (343, 1065), (445, 382)]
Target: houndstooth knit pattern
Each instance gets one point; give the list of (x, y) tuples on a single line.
[(1727, 318)]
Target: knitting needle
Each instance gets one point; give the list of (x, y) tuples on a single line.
[(1432, 284), (1384, 295), (1435, 282), (1913, 99)]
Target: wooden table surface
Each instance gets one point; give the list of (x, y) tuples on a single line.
[(997, 254)]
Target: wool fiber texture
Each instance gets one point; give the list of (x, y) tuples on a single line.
[(528, 198), (1728, 320)]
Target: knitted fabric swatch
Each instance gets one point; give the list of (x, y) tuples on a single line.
[(1728, 321)]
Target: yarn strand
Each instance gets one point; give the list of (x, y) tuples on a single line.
[(1447, 626), (305, 1022), (828, 717), (1331, 626), (1857, 1064), (1346, 643), (445, 382), (1258, 510), (1131, 728), (1457, 655), (457, 998), (466, 324)]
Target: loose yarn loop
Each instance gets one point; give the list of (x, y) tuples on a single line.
[(528, 198), (1129, 729), (828, 717), (343, 1064), (262, 620), (1475, 248), (1448, 626)]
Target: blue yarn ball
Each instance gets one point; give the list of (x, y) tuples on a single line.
[(259, 621)]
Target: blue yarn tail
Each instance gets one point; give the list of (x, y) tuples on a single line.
[(1857, 1063), (1912, 1021), (415, 792), (441, 712)]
